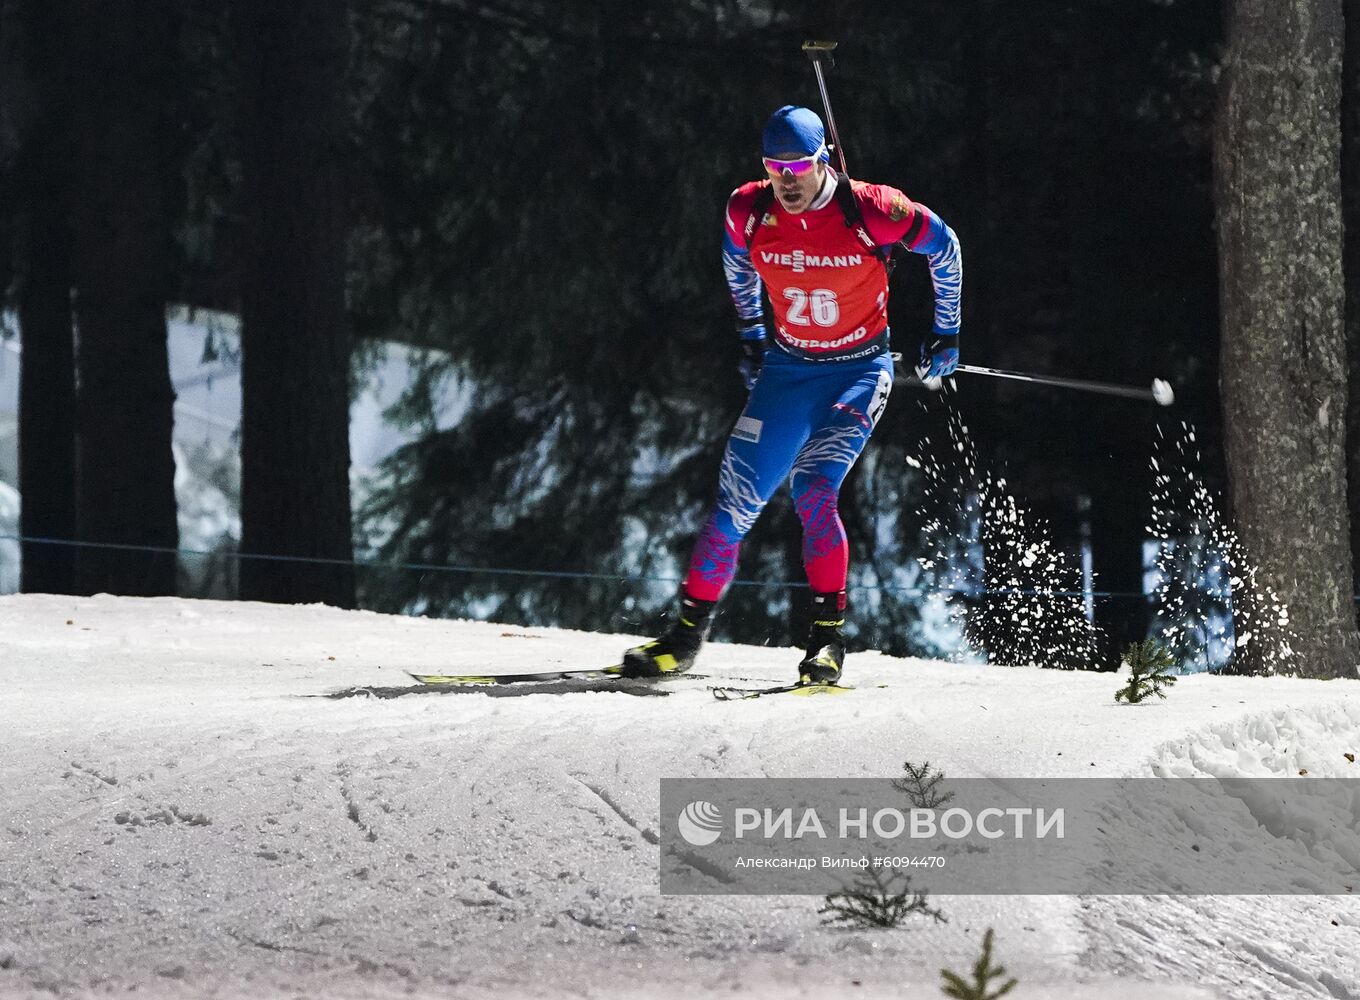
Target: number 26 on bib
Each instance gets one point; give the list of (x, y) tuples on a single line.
[(806, 308)]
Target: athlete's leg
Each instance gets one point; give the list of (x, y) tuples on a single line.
[(759, 455), (835, 442)]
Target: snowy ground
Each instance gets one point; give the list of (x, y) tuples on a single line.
[(185, 813)]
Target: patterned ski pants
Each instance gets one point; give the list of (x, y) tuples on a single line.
[(806, 422)]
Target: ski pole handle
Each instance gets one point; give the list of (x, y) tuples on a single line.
[(817, 51)]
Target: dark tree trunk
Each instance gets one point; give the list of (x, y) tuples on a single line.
[(295, 335), (47, 398), (126, 472), (1350, 208), (1278, 194)]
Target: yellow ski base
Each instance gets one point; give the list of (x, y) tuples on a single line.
[(544, 675), (807, 690)]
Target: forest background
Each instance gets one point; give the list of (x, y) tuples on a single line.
[(533, 192)]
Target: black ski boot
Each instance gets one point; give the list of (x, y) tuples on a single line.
[(674, 651), (826, 640)]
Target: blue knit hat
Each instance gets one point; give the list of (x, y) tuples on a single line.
[(794, 131)]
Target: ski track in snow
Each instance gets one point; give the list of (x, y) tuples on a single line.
[(186, 813)]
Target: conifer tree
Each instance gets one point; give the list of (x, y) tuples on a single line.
[(984, 973), (1149, 664)]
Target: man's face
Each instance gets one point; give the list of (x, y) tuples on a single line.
[(795, 191)]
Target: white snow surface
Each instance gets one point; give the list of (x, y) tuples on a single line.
[(183, 813)]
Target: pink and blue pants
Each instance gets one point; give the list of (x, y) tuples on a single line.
[(806, 422)]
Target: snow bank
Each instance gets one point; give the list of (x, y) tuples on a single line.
[(237, 800)]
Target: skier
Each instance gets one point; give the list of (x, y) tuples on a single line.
[(821, 244)]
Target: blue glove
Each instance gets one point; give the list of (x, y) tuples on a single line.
[(939, 356), (753, 345)]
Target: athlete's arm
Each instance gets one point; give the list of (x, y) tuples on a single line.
[(744, 284), (890, 216), (942, 251), (742, 280)]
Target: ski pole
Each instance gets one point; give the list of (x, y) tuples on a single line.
[(820, 52), (1160, 392)]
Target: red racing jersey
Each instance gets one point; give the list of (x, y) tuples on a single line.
[(828, 288)]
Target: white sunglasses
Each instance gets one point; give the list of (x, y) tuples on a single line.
[(794, 168)]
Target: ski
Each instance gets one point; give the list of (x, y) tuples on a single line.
[(599, 673), (802, 690), (611, 673)]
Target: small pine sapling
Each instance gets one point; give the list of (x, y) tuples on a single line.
[(983, 974), (1149, 665), (922, 786), (873, 901)]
